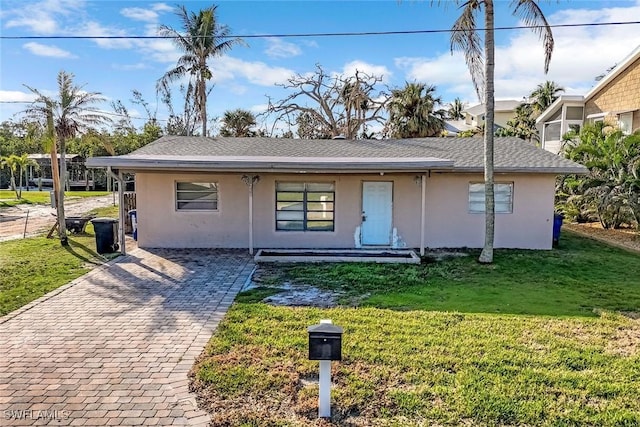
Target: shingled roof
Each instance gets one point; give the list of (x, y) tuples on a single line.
[(450, 154)]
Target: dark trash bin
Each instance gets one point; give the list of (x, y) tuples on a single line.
[(557, 225), (134, 223), (106, 230)]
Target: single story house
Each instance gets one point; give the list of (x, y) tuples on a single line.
[(615, 99), (195, 192)]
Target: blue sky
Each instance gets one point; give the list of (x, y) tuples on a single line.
[(245, 76)]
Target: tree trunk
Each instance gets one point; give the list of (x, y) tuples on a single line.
[(13, 183), (486, 256), (20, 184), (62, 227), (203, 105)]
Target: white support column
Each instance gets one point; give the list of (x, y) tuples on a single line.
[(121, 213), (250, 181), (423, 212), (123, 249), (251, 218)]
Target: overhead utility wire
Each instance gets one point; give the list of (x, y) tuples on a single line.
[(340, 34)]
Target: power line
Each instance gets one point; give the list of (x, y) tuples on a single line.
[(107, 113), (338, 34)]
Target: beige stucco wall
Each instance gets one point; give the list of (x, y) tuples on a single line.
[(620, 94), (500, 118), (448, 223)]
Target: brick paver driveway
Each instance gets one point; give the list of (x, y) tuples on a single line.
[(114, 346)]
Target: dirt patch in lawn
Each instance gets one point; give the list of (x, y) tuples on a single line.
[(626, 341), (626, 238)]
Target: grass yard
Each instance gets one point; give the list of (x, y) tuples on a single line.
[(29, 268), (8, 197), (539, 338)]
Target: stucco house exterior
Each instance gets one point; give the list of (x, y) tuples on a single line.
[(251, 193), (615, 99)]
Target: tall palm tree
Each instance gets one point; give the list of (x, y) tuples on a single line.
[(238, 123), (480, 60), (72, 111), (413, 113), (544, 95), (455, 110), (203, 37)]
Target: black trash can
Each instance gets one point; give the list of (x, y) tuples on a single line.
[(106, 230)]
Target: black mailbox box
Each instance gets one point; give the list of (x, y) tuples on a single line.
[(325, 342)]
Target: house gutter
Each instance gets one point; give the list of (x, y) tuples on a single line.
[(121, 213)]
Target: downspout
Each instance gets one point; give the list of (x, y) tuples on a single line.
[(423, 215), (121, 212)]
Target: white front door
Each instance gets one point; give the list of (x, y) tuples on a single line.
[(377, 212)]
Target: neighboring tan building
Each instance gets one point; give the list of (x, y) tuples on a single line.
[(614, 99), (504, 111), (195, 192)]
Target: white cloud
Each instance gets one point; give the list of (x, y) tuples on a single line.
[(259, 108), (162, 7), (382, 71), (580, 54), (443, 68), (278, 48), (47, 50), (41, 17), (131, 67), (256, 72), (94, 28), (16, 96), (139, 14)]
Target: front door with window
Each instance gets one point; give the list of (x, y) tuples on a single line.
[(377, 212)]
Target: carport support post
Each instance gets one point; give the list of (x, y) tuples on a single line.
[(119, 179), (423, 212), (121, 189)]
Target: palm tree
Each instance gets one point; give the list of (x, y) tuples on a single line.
[(544, 95), (22, 162), (203, 38), (456, 108), (238, 123), (72, 111), (522, 125), (11, 162), (412, 112), (466, 38)]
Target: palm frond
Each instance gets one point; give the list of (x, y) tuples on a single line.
[(465, 38), (531, 15)]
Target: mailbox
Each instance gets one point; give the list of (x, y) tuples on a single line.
[(325, 342)]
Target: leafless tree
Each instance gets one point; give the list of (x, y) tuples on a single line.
[(324, 105)]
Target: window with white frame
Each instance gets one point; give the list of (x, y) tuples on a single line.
[(625, 122), (305, 206), (503, 196), (196, 196)]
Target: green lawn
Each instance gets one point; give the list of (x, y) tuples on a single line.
[(535, 339), (29, 268), (8, 197)]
